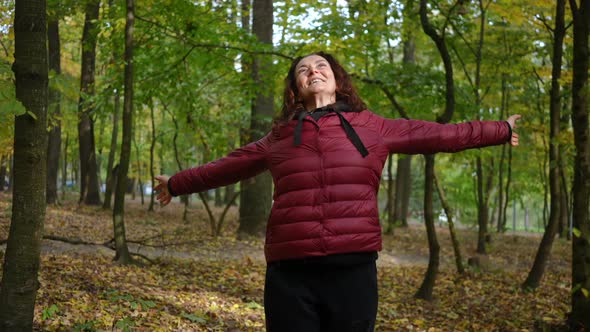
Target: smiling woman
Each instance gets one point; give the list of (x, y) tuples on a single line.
[(326, 154)]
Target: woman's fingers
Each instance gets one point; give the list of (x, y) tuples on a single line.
[(514, 139)]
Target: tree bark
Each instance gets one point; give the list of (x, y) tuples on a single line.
[(451, 223), (403, 184), (111, 174), (256, 193), (427, 286), (54, 101), (152, 150), (122, 255), (89, 186), (482, 211), (534, 277), (110, 182), (425, 290), (2, 172), (579, 317), (403, 188), (19, 284)]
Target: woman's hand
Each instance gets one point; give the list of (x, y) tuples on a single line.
[(161, 188), (512, 122)]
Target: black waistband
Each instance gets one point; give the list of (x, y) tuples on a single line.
[(346, 259)]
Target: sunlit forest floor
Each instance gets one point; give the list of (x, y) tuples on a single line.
[(190, 281)]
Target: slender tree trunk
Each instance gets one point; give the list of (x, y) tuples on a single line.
[(482, 211), (403, 187), (507, 187), (110, 182), (152, 150), (451, 223), (534, 278), (139, 174), (218, 197), (89, 186), (2, 172), (229, 193), (19, 284), (579, 318), (425, 290), (256, 193), (122, 255), (110, 172), (389, 208), (54, 139), (403, 184), (64, 169), (564, 210)]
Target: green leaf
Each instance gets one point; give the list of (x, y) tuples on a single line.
[(194, 318), (253, 305), (577, 232), (125, 323), (49, 312)]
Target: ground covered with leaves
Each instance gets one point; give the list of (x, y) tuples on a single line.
[(189, 281)]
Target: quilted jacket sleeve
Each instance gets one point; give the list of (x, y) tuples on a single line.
[(423, 137), (245, 162)]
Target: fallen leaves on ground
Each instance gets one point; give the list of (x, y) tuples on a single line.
[(206, 284)]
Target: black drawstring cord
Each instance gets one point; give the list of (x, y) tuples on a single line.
[(299, 127), (348, 129), (352, 135)]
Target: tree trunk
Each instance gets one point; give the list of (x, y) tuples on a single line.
[(64, 169), (218, 197), (482, 211), (389, 208), (403, 185), (229, 193), (152, 150), (18, 288), (579, 318), (54, 139), (11, 172), (111, 173), (425, 290), (256, 193), (534, 277), (122, 255), (2, 172), (110, 182), (89, 186), (450, 216), (403, 188)]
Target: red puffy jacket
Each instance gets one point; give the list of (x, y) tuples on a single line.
[(325, 191)]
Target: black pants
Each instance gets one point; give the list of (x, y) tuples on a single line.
[(314, 297)]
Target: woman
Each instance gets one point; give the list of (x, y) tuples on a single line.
[(326, 154)]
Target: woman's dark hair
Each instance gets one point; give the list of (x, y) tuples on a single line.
[(345, 90)]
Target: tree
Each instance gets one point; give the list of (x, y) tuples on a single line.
[(425, 290), (122, 255), (534, 277), (18, 288), (256, 193), (54, 140), (579, 318), (111, 173), (89, 185)]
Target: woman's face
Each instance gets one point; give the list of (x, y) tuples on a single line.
[(315, 78)]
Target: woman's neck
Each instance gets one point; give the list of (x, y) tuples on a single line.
[(318, 101)]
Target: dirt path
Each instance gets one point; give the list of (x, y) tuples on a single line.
[(236, 251)]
